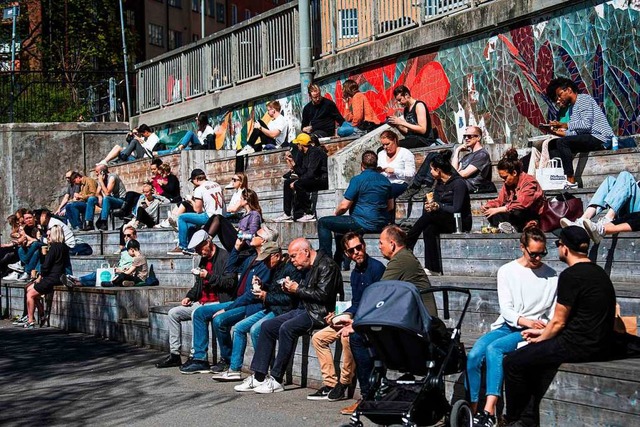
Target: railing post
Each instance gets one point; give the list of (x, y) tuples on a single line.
[(183, 73), (163, 84), (234, 59), (207, 66), (306, 65), (264, 37), (333, 14), (375, 18)]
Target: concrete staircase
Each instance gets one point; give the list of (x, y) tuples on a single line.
[(591, 394)]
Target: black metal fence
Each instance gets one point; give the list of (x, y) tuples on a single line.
[(39, 96)]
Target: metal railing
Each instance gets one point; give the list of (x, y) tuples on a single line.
[(253, 49)]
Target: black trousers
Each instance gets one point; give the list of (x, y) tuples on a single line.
[(415, 141), (517, 218), (431, 224), (224, 229), (567, 146), (297, 201), (264, 140)]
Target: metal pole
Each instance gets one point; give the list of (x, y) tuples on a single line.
[(126, 60), (306, 66), (202, 19), (13, 62)]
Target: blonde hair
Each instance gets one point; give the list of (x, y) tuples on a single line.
[(56, 235)]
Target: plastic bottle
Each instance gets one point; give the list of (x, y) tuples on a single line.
[(245, 236), (614, 143)]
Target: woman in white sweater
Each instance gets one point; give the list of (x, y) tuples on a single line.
[(396, 163), (526, 293)]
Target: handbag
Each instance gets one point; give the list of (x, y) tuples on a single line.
[(104, 274), (562, 206), (551, 176)]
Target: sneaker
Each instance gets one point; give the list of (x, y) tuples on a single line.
[(23, 277), (175, 251), (164, 224), (11, 277), (432, 273), (349, 410), (17, 266), (307, 218), (21, 320), (595, 231), (172, 222), (133, 223), (171, 361), (65, 281), (189, 252), (269, 385), (195, 366), (570, 185), (29, 325), (506, 228), (249, 384), (246, 150), (220, 367), (321, 394), (228, 376), (283, 218), (339, 392), (484, 419)]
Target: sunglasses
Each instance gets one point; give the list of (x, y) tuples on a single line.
[(470, 136), (537, 254), (352, 250), (257, 235), (128, 235), (235, 179), (559, 243)]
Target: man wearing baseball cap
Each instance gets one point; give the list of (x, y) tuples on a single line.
[(581, 330), (308, 174), (207, 200)]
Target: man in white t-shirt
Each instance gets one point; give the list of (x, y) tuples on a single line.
[(208, 200), (272, 135)]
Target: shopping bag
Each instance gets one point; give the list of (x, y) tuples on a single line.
[(551, 177), (104, 274)]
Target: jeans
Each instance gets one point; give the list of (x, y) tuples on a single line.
[(620, 194), (90, 208), (249, 325), (341, 225), (177, 315), (30, 256), (73, 210), (567, 146), (222, 325), (490, 348), (108, 203), (88, 280), (286, 329), (363, 357), (398, 189), (199, 318), (81, 249), (189, 139), (186, 221)]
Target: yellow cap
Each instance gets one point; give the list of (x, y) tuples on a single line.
[(302, 139)]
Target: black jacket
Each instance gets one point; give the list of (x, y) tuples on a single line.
[(322, 116), (318, 292), (278, 301), (314, 164), (214, 278)]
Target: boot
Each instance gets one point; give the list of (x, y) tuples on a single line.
[(101, 225), (88, 226)]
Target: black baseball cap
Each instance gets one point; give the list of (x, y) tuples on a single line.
[(575, 238), (196, 172)]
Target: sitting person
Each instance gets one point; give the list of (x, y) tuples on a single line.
[(320, 115), (359, 115), (368, 270), (47, 221), (526, 293), (68, 193), (219, 225), (416, 124), (146, 207), (587, 129), (52, 273), (112, 191), (29, 242), (450, 196), (239, 182), (317, 296), (396, 163), (140, 140), (273, 301), (207, 201), (617, 196), (78, 202), (202, 139), (206, 290), (169, 184), (307, 176), (272, 135), (369, 200), (621, 224), (520, 199), (137, 272)]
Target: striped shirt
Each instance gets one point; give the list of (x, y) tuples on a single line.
[(587, 118)]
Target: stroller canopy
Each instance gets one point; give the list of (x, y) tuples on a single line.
[(393, 303)]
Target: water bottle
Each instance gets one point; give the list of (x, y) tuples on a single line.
[(458, 218), (614, 143), (245, 236)]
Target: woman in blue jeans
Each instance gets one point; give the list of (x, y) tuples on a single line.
[(526, 293)]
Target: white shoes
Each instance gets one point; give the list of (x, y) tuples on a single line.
[(307, 218), (167, 224), (570, 185), (283, 218), (246, 150), (595, 231), (228, 376), (249, 384), (17, 266), (269, 385), (15, 277)]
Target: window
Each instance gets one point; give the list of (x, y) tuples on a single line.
[(195, 5), (175, 3), (247, 14), (212, 8), (234, 14), (175, 39), (155, 35), (348, 23), (220, 12)]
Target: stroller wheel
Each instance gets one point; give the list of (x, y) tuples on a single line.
[(461, 414)]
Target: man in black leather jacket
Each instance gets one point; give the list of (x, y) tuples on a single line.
[(317, 296)]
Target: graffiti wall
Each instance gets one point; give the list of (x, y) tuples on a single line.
[(496, 80)]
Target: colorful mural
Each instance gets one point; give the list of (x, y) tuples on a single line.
[(495, 80)]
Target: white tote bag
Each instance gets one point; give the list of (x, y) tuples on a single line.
[(551, 177), (104, 274)]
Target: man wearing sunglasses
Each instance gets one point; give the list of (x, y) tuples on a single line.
[(367, 271), (581, 330)]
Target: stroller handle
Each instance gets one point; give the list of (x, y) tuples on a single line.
[(445, 298)]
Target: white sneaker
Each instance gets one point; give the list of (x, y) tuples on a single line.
[(269, 386), (249, 384), (570, 185), (17, 266), (172, 222), (283, 218), (595, 231), (246, 150), (11, 277), (228, 376), (307, 218), (23, 277), (133, 223), (164, 224)]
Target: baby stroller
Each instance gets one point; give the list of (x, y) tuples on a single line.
[(403, 337)]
